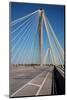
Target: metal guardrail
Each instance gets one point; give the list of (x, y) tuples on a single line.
[(58, 81)]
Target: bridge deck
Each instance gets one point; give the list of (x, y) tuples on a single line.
[(33, 82)]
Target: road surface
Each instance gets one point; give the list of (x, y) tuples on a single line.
[(31, 82)]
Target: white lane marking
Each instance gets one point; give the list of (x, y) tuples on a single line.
[(18, 90), (34, 84), (25, 84), (42, 84)]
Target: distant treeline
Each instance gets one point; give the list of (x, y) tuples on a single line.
[(30, 65), (25, 65), (33, 65)]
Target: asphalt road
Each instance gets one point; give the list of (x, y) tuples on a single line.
[(34, 82)]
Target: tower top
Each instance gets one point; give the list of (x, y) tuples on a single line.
[(42, 10)]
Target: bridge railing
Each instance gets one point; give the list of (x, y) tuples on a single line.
[(58, 81)]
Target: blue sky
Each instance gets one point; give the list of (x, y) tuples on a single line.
[(55, 14)]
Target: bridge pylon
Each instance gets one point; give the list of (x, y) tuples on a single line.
[(40, 30)]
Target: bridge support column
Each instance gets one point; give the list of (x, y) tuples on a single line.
[(40, 29)]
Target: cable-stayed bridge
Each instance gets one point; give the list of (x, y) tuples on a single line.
[(28, 49)]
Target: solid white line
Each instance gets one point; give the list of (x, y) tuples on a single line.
[(26, 84), (33, 84), (18, 90), (36, 76), (42, 84)]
